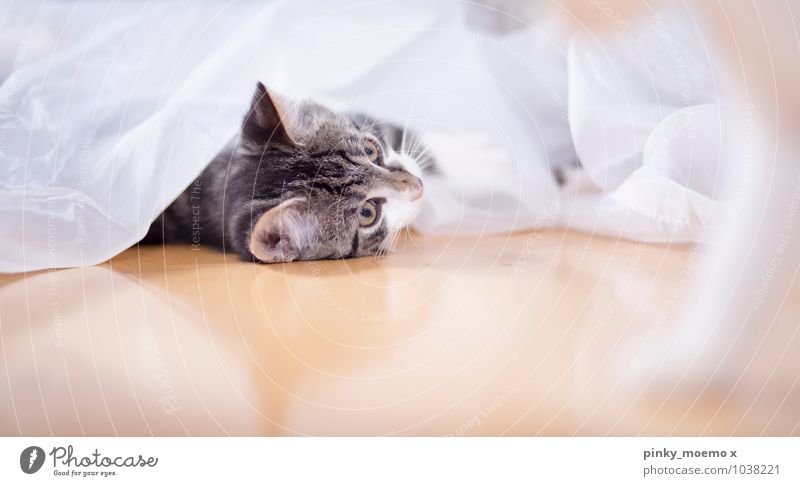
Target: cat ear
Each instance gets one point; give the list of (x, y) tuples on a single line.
[(265, 124), (281, 233)]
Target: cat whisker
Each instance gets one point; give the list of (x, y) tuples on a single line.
[(405, 128), (388, 244)]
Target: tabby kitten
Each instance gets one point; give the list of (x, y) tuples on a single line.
[(301, 184)]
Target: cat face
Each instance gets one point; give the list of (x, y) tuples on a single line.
[(308, 183)]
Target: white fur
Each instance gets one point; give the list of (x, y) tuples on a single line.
[(408, 163), (400, 209)]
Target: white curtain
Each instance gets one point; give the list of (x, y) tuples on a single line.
[(109, 110)]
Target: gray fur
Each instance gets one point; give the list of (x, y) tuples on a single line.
[(307, 155)]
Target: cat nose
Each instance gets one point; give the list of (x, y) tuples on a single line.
[(417, 189), (407, 185)]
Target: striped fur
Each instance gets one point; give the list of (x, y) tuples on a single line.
[(312, 159)]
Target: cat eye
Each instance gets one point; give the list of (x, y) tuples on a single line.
[(373, 152), (369, 214)]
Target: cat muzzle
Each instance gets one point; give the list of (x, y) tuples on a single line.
[(417, 191)]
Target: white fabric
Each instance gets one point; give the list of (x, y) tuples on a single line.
[(109, 110), (648, 130)]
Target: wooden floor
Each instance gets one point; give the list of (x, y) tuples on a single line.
[(516, 335)]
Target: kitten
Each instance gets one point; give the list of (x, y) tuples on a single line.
[(313, 185)]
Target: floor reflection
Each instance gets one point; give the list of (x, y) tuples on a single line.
[(520, 335), (93, 352)]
